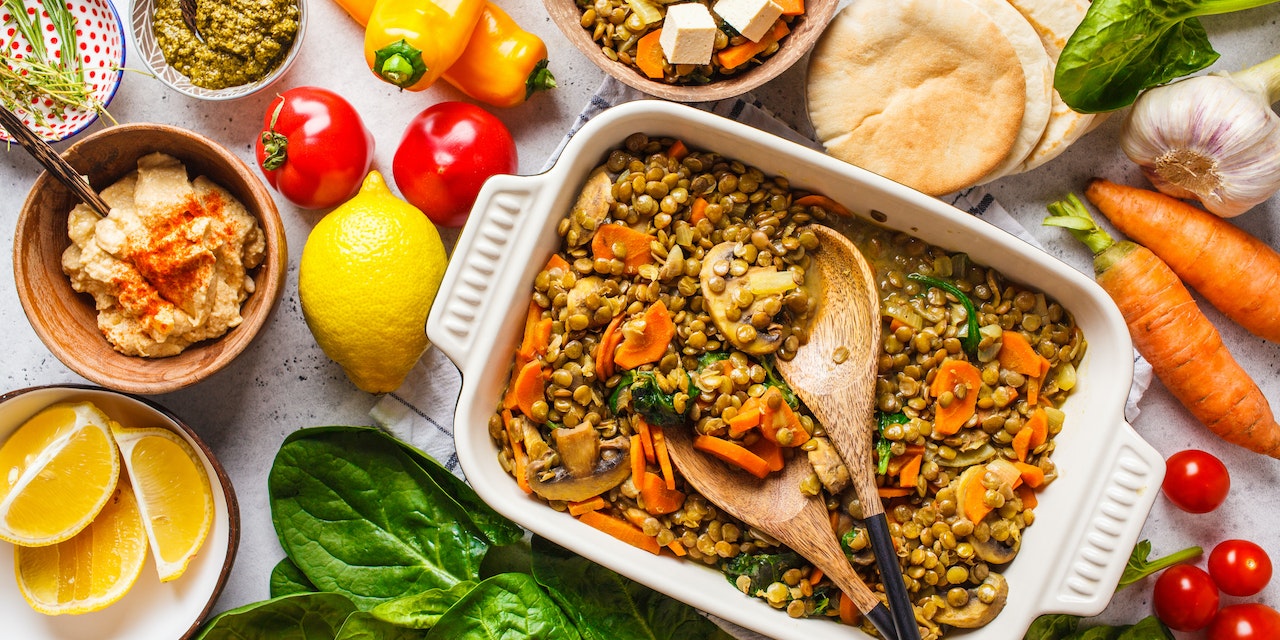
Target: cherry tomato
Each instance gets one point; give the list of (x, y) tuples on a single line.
[(1249, 621), (1185, 598), (1239, 567), (1196, 481), (446, 154), (314, 148)]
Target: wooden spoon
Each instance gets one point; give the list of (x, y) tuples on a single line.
[(52, 162), (776, 506), (835, 374)]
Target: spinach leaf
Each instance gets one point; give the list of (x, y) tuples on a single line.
[(506, 606), (640, 391), (362, 625), (1052, 627), (1124, 46), (303, 616), (287, 579), (763, 569), (772, 379), (884, 448), (607, 606), (1149, 628), (1101, 632), (421, 610), (360, 517), (972, 333), (1140, 567), (707, 359)]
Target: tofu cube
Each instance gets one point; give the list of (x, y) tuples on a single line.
[(688, 34), (752, 18)]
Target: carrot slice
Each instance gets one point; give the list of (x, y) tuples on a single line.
[(1022, 443), (594, 503), (776, 415), (557, 261), (664, 456), (604, 350), (815, 576), (791, 7), (677, 549), (910, 472), (747, 418), (637, 460), (529, 387), (732, 454), (849, 613), (646, 439), (738, 55), (678, 151), (1032, 476), (650, 344), (622, 530), (894, 492), (1017, 354), (770, 452), (819, 200), (649, 54), (1039, 425), (636, 242), (961, 379), (698, 211), (1028, 496), (658, 499), (971, 494)]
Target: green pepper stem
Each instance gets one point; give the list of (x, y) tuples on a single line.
[(399, 63), (1262, 78), (540, 80)]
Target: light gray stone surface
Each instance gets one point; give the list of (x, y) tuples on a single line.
[(284, 382)]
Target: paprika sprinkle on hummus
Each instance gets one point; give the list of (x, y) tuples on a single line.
[(169, 265)]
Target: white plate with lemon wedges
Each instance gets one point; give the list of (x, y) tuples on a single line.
[(116, 521)]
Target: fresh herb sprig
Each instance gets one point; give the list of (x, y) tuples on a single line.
[(972, 335), (37, 77)]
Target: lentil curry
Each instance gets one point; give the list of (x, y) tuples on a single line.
[(680, 279), (240, 41)]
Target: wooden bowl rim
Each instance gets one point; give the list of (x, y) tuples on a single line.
[(809, 27), (269, 281)]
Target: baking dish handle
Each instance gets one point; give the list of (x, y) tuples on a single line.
[(1130, 477), (493, 241)]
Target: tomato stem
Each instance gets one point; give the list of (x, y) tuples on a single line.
[(275, 144)]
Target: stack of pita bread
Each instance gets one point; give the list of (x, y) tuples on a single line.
[(941, 95)]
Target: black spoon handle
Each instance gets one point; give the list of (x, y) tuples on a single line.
[(51, 161), (904, 616)]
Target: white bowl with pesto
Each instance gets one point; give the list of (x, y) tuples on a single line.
[(141, 20), (1089, 518)]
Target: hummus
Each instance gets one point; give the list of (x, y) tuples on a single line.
[(168, 266)]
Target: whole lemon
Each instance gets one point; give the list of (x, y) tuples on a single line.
[(368, 275)]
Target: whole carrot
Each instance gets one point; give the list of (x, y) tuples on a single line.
[(1236, 272), (1184, 348)]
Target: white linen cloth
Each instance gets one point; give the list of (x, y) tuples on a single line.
[(421, 410)]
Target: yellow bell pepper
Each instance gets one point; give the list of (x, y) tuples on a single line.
[(410, 43), (360, 10), (503, 64)]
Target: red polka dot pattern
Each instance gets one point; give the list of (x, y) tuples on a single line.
[(96, 23)]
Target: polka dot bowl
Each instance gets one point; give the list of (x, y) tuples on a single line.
[(99, 47)]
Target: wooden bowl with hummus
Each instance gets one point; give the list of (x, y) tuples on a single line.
[(174, 283)]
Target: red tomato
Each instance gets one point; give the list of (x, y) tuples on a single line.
[(1249, 621), (314, 148), (1196, 481), (1185, 598), (446, 154), (1239, 567)]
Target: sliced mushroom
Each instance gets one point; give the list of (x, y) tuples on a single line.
[(592, 297), (591, 208), (985, 603), (578, 448), (752, 329), (607, 470), (995, 552), (828, 465)]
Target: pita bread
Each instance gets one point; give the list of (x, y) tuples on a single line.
[(1055, 21), (928, 93), (1037, 70)]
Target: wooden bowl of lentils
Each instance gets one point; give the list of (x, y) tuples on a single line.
[(610, 34)]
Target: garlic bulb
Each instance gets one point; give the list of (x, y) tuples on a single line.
[(1213, 138)]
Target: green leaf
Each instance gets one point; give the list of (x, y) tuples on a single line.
[(1140, 567), (287, 579), (360, 517), (421, 610), (607, 606), (508, 606), (1052, 627), (305, 616), (884, 448), (1149, 628), (1101, 632), (972, 335), (362, 625), (763, 569)]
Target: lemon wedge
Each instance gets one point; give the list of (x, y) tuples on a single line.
[(56, 473), (91, 570), (173, 494)]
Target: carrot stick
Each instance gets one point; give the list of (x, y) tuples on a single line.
[(678, 151), (1032, 476), (738, 55), (637, 460), (910, 472), (849, 613), (1017, 354), (677, 549), (961, 379), (604, 349), (819, 200), (1184, 348), (770, 452), (650, 344), (649, 54), (815, 576), (698, 211), (1022, 443), (557, 262), (658, 499), (1234, 271), (732, 454), (1039, 425), (1028, 496), (747, 418), (776, 415), (894, 492), (663, 456), (529, 387), (520, 464), (622, 530), (594, 503), (791, 7), (646, 438)]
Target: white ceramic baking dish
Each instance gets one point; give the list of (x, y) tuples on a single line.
[(1088, 520)]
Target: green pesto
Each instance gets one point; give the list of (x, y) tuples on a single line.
[(244, 40)]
